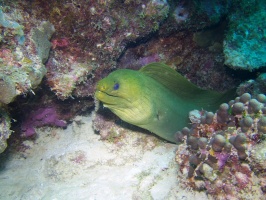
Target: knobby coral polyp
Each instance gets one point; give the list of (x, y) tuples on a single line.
[(226, 149)]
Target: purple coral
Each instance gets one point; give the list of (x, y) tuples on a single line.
[(222, 158), (47, 116)]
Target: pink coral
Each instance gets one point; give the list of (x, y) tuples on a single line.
[(61, 42)]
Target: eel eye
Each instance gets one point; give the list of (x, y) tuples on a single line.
[(116, 86)]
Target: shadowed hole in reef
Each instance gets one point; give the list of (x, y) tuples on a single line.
[(244, 75)]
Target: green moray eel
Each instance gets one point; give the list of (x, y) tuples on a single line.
[(156, 98)]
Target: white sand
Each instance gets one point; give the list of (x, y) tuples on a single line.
[(74, 164)]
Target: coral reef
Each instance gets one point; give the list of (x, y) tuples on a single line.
[(65, 73), (23, 52), (21, 69), (92, 36), (5, 124), (41, 37), (12, 28), (245, 43), (224, 153)]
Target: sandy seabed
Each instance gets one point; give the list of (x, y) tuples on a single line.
[(74, 163)]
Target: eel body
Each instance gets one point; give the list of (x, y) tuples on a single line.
[(156, 98)]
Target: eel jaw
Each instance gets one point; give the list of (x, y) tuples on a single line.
[(107, 99)]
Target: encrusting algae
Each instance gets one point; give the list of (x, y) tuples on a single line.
[(156, 98)]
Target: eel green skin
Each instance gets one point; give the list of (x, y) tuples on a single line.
[(156, 98)]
